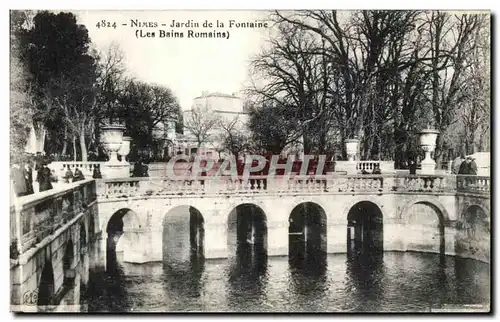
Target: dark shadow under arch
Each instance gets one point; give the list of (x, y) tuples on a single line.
[(46, 285), (307, 234), (247, 229), (183, 236), (115, 229), (365, 228)]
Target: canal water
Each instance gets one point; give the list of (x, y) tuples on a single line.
[(388, 282)]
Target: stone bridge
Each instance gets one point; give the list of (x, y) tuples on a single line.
[(57, 236), (417, 213)]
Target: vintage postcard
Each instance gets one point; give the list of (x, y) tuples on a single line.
[(250, 161)]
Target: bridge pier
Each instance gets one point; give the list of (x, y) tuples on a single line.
[(277, 238), (216, 240), (336, 237), (394, 236)]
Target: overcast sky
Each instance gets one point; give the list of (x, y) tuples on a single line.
[(187, 66)]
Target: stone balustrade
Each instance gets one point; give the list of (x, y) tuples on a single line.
[(471, 183), (36, 216), (369, 166), (160, 186), (87, 168)]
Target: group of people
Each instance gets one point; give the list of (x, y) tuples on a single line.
[(24, 167), (376, 170), (22, 175), (70, 177), (463, 165)]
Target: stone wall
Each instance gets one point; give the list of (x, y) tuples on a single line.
[(26, 272)]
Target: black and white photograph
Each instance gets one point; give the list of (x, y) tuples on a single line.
[(248, 161)]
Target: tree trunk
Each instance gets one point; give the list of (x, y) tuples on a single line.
[(74, 148), (83, 146), (65, 142), (40, 133)]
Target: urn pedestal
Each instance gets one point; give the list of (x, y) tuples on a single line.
[(428, 144), (351, 147), (112, 138)]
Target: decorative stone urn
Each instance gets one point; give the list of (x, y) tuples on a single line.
[(351, 147), (428, 139), (125, 148), (112, 138)]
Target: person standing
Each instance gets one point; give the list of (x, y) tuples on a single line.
[(464, 167), (455, 168), (68, 176), (413, 167), (472, 167), (44, 178), (97, 173), (28, 177), (18, 180), (78, 175)]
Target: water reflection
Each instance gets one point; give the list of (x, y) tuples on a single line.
[(184, 279), (308, 279), (251, 281), (364, 273), (108, 290), (247, 276)]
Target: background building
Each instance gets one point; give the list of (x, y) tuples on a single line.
[(223, 110)]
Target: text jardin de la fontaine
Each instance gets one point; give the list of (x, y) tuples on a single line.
[(205, 29)]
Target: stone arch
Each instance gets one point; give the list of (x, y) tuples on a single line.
[(348, 205), (247, 229), (476, 222), (68, 263), (183, 234), (431, 202), (421, 230), (474, 233), (46, 287), (307, 229), (365, 226), (120, 229)]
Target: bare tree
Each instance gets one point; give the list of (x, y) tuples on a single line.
[(233, 137), (200, 122)]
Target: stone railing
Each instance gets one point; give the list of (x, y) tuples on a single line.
[(474, 184), (369, 166), (36, 216), (331, 184), (87, 168), (386, 167)]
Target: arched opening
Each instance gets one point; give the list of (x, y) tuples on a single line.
[(68, 267), (477, 225), (183, 236), (120, 223), (307, 236), (474, 237), (365, 228), (425, 228), (247, 233), (46, 286)]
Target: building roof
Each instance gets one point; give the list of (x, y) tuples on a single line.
[(217, 94)]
